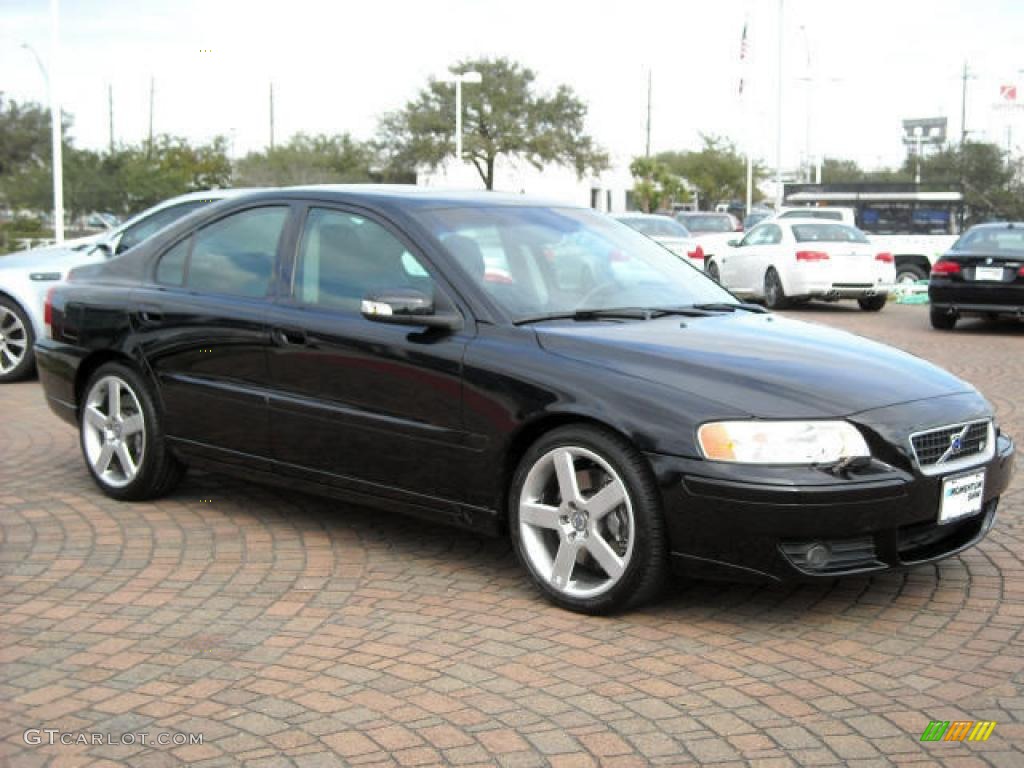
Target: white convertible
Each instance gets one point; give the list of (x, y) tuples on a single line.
[(787, 260)]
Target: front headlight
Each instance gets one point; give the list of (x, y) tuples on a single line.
[(781, 442)]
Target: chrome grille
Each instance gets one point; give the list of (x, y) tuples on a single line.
[(953, 444)]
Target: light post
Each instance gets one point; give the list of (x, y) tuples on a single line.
[(56, 128), (459, 79)]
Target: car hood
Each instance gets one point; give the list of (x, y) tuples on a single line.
[(764, 365), (53, 258)]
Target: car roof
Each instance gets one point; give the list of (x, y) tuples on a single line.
[(408, 196)]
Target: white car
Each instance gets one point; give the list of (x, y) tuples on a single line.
[(27, 276), (781, 261), (668, 232), (712, 230)]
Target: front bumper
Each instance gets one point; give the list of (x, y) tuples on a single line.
[(728, 521)]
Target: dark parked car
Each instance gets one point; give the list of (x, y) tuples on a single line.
[(506, 366), (982, 274)]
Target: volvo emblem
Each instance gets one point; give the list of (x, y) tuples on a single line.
[(956, 444)]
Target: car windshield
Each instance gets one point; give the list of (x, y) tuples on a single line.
[(709, 223), (554, 261), (827, 233), (994, 240), (656, 226)]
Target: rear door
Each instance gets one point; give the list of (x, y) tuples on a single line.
[(368, 406), (203, 328)]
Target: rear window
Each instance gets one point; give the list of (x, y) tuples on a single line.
[(658, 226), (813, 213), (719, 223), (994, 240), (827, 233)]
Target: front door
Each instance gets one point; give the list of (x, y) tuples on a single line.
[(361, 404)]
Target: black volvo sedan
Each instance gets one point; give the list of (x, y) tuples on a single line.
[(508, 366), (982, 274)]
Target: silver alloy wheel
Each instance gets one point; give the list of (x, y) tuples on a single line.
[(113, 431), (13, 340), (906, 278), (576, 522)]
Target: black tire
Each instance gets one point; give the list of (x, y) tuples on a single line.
[(159, 471), (774, 294), (644, 574), (21, 342), (910, 273), (873, 303), (941, 319), (713, 273)]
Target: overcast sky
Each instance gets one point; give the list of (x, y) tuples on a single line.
[(338, 65)]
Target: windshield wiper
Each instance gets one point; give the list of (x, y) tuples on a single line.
[(619, 313), (757, 309)]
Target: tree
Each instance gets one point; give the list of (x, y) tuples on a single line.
[(503, 116), (654, 186), (306, 159), (993, 188), (172, 166), (718, 171)]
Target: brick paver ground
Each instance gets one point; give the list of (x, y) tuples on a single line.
[(294, 631)]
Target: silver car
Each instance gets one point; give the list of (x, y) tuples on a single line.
[(668, 232), (25, 278)]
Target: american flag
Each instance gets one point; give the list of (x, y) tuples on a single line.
[(743, 53)]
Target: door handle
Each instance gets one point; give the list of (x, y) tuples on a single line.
[(288, 336), (150, 314)]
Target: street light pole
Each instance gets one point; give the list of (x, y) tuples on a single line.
[(778, 117), (459, 79), (56, 127)]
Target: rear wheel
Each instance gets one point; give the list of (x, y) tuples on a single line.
[(942, 320), (122, 438), (774, 294), (909, 273), (586, 521), (713, 272), (17, 360), (872, 303)]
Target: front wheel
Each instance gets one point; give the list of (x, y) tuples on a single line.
[(774, 294), (586, 521), (17, 360), (122, 438), (713, 272), (872, 303)]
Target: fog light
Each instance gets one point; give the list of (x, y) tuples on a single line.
[(818, 556)]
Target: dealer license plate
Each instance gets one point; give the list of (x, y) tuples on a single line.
[(988, 273), (961, 496)]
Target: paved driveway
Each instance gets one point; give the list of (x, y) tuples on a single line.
[(292, 631)]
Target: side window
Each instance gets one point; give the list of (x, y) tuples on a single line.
[(171, 269), (343, 257), (773, 235), (236, 255), (150, 225)]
